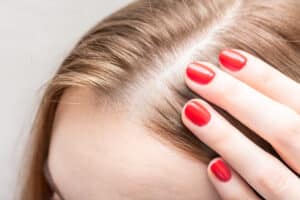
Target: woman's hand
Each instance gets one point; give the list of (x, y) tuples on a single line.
[(264, 100)]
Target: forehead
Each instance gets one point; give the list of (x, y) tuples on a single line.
[(95, 153)]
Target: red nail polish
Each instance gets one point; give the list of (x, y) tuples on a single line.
[(221, 170), (197, 113), (200, 73), (232, 60)]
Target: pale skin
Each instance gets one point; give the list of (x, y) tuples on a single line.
[(266, 101), (96, 154)]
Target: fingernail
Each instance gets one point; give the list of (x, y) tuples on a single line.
[(221, 170), (199, 73), (197, 113), (232, 60)]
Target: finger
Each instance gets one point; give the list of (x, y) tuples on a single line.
[(261, 76), (269, 176), (229, 185), (276, 123)]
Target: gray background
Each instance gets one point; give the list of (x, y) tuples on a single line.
[(35, 36)]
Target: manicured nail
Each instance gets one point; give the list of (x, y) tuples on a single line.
[(232, 60), (199, 73), (197, 113), (221, 170)]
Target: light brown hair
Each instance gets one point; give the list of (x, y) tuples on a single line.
[(139, 53)]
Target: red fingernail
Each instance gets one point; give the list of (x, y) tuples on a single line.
[(200, 73), (197, 113), (221, 170), (232, 60)]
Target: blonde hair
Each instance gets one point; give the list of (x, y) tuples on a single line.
[(138, 54)]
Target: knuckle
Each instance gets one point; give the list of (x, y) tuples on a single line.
[(297, 107), (235, 196), (287, 133), (222, 141), (295, 128), (233, 92), (297, 95), (273, 181), (269, 80)]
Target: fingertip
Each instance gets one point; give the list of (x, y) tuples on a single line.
[(196, 111), (227, 183), (210, 164), (199, 73), (232, 60), (219, 170)]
